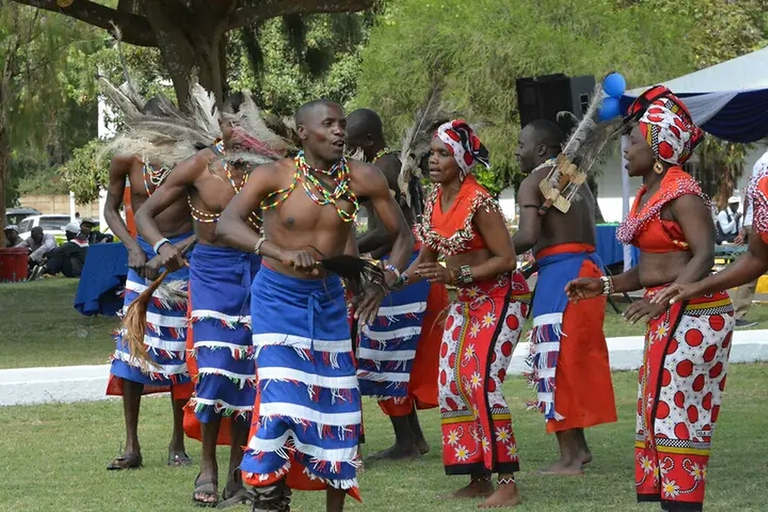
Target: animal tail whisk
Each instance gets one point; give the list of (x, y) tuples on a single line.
[(135, 319)]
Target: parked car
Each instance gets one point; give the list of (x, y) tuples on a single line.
[(16, 215), (52, 224)]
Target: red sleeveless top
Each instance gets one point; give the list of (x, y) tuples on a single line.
[(646, 229), (452, 232)]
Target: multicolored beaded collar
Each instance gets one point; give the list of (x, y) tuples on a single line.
[(316, 190)]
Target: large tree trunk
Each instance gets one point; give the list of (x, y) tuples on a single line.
[(189, 33), (4, 154), (190, 46)]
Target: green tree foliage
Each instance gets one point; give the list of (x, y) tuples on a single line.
[(483, 46), (85, 172), (191, 35), (41, 117), (287, 69), (283, 72)]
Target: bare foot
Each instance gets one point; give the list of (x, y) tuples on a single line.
[(396, 453), (586, 457), (563, 468), (475, 489), (422, 446), (505, 496)]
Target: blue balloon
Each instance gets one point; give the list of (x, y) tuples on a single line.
[(609, 109), (614, 85)]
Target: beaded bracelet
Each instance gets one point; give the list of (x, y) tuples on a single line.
[(607, 285), (393, 269), (159, 244), (463, 275), (259, 243), (402, 282)]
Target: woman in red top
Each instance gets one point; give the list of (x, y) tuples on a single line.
[(463, 223), (687, 344), (749, 266)]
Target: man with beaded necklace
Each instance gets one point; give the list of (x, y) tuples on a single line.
[(220, 279), (398, 354), (307, 415), (127, 378), (569, 356)]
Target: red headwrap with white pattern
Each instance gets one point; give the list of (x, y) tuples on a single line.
[(666, 125), (464, 145)]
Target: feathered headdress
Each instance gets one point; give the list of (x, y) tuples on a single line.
[(173, 135), (578, 155), (168, 138), (418, 138)]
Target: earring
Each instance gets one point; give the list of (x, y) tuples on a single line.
[(658, 168)]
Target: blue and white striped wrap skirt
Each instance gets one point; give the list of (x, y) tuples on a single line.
[(308, 406), (388, 346), (165, 334), (220, 295)]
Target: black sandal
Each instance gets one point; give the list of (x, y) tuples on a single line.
[(208, 488), (234, 493), (178, 460), (126, 461)]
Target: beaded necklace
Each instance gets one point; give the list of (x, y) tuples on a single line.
[(316, 190), (152, 176), (546, 163), (208, 218), (380, 154)]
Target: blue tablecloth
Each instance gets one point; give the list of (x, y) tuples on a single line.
[(609, 249), (104, 273)]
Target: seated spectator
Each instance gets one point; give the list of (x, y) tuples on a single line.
[(39, 244), (729, 222), (92, 235), (67, 259), (12, 238)]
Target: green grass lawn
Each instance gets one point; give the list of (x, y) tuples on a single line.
[(40, 326), (54, 458)]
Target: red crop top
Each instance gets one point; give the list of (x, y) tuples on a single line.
[(757, 192), (453, 232), (646, 229)]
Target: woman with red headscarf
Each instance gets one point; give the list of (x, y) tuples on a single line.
[(463, 223), (686, 344)]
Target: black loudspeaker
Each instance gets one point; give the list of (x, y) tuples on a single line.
[(543, 97)]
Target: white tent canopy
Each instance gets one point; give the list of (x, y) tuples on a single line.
[(746, 73)]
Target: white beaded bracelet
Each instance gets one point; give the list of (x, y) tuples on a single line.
[(159, 244)]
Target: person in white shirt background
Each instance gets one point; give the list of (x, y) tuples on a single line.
[(729, 221), (39, 244)]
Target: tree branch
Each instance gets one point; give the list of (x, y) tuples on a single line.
[(251, 11), (129, 6), (135, 29)]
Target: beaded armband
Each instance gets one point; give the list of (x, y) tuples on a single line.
[(607, 285)]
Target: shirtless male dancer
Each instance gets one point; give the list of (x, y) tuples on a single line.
[(307, 416), (569, 354), (398, 354), (220, 279), (127, 378)]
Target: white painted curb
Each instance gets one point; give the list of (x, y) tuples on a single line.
[(28, 386)]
